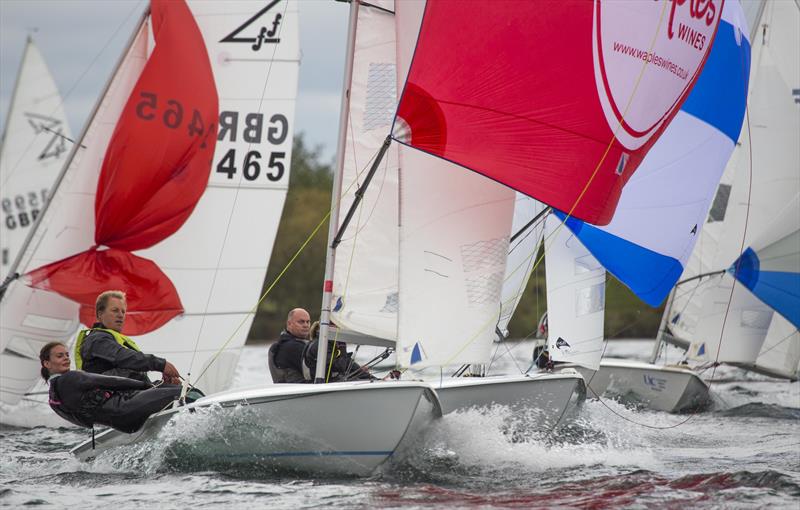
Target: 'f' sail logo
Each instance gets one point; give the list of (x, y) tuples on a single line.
[(268, 33)]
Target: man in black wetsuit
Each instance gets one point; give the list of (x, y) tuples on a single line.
[(286, 355), (86, 399), (339, 369), (103, 349)]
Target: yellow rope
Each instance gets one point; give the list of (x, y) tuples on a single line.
[(265, 294)]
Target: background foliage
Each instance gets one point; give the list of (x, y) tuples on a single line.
[(308, 202)]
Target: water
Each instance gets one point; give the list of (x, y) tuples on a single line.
[(745, 453)]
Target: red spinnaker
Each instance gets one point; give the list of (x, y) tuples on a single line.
[(155, 170), (539, 95)]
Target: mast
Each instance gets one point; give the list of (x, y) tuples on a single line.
[(333, 220), (12, 270)]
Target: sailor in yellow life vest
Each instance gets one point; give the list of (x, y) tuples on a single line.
[(104, 350)]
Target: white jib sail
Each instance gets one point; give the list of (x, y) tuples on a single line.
[(576, 285), (454, 227), (217, 260), (365, 274), (34, 148), (521, 257)]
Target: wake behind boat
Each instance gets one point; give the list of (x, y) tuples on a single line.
[(363, 425)]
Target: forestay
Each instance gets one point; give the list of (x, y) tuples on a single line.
[(537, 91), (665, 204), (576, 290), (34, 148)]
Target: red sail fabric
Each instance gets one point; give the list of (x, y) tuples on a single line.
[(538, 95), (155, 170), (152, 299)]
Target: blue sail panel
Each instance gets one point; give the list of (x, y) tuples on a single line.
[(665, 204), (778, 289)]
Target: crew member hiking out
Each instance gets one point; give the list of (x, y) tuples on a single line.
[(103, 349), (86, 399)]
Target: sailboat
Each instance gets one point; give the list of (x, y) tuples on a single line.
[(428, 279), (203, 99), (696, 311), (34, 147)]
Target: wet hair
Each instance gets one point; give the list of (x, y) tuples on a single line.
[(102, 300), (44, 355), (313, 333)]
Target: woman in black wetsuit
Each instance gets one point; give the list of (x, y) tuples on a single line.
[(84, 399)]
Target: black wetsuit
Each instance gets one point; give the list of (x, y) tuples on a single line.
[(287, 354), (119, 402), (344, 368), (102, 354)]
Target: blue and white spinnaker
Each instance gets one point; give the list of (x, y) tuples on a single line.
[(665, 203)]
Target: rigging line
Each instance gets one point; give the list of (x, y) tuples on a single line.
[(528, 225), (380, 190), (116, 32), (58, 134), (231, 213), (787, 337), (266, 292)]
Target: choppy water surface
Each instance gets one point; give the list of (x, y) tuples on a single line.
[(745, 453)]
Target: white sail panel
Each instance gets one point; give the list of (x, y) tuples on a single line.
[(34, 317), (34, 148), (365, 274), (521, 257), (575, 298), (734, 324), (454, 229), (780, 354)]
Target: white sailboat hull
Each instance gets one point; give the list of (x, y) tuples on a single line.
[(660, 388), (342, 429), (550, 395)]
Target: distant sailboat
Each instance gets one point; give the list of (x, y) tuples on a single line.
[(35, 145), (706, 295)]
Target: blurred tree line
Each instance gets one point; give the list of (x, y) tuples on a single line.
[(307, 203)]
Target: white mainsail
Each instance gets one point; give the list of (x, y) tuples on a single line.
[(217, 259), (34, 147), (576, 290), (365, 274)]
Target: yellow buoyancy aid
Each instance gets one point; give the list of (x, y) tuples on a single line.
[(121, 339)]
